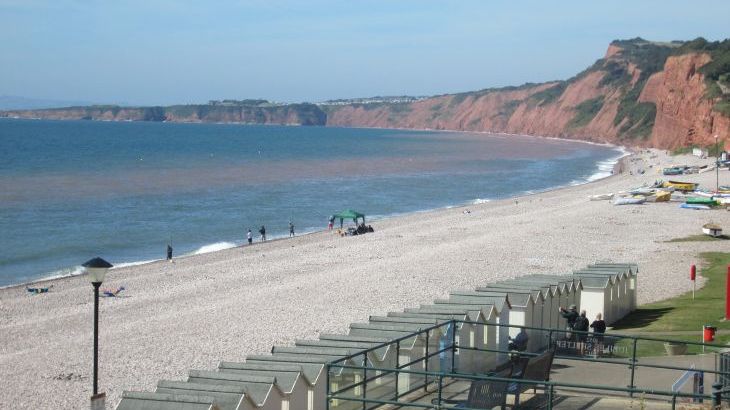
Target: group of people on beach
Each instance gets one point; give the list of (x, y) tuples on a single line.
[(578, 326), (262, 232)]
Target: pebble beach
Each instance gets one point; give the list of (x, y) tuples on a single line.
[(199, 310)]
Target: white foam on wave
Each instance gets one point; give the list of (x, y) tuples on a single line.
[(128, 264), (604, 168), (480, 201), (214, 247)]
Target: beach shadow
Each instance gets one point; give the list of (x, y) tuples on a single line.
[(641, 318)]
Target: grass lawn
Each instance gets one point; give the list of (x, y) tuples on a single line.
[(681, 312)]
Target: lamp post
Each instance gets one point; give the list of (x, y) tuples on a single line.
[(96, 268)]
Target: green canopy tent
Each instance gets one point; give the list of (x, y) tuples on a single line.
[(349, 214)]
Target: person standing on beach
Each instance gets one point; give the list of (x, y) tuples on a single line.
[(291, 229), (570, 315), (331, 222), (169, 252), (262, 231), (249, 236)]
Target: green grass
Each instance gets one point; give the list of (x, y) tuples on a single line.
[(681, 312)]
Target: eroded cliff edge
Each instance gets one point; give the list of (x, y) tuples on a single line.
[(664, 95)]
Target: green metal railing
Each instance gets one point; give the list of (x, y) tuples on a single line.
[(371, 385)]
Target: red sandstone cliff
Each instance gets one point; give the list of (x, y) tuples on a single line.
[(684, 115)]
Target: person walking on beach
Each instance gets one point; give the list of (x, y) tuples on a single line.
[(331, 223), (169, 252), (291, 229), (262, 231), (249, 236)]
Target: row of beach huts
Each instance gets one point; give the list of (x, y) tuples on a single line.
[(480, 320)]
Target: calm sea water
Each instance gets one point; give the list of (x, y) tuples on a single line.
[(72, 190)]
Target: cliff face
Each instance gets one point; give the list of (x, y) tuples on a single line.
[(639, 94)]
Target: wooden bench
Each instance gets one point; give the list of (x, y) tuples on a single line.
[(537, 368)]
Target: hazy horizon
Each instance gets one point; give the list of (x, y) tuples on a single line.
[(167, 52)]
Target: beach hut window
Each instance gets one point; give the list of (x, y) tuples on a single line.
[(484, 333), (471, 337), (285, 404), (456, 342), (310, 399)]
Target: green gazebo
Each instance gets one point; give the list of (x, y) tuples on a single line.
[(349, 214)]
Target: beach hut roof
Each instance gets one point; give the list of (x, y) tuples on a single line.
[(517, 297), (310, 372), (487, 308), (163, 401), (632, 267), (258, 388), (500, 302), (595, 282), (285, 381), (353, 338), (538, 290), (226, 397)]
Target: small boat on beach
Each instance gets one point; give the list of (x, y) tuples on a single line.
[(673, 171), (680, 186), (696, 207), (628, 201), (694, 200), (601, 197)]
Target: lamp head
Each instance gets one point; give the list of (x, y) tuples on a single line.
[(96, 268)]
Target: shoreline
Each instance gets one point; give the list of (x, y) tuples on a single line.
[(625, 152), (226, 305)]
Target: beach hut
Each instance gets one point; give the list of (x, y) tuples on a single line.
[(567, 293), (619, 294), (632, 272), (410, 352), (262, 391), (314, 368), (545, 297), (299, 390), (596, 296), (483, 336), (469, 333), (522, 312), (502, 307), (163, 401), (225, 397)]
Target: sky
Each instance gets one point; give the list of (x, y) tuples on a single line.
[(160, 52)]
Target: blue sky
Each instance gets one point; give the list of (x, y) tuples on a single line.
[(165, 52)]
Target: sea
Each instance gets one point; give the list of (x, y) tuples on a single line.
[(74, 190)]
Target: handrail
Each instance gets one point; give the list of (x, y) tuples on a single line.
[(525, 381)]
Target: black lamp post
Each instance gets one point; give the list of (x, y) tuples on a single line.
[(96, 268)]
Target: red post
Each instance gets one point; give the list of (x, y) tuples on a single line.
[(692, 272), (727, 294)]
